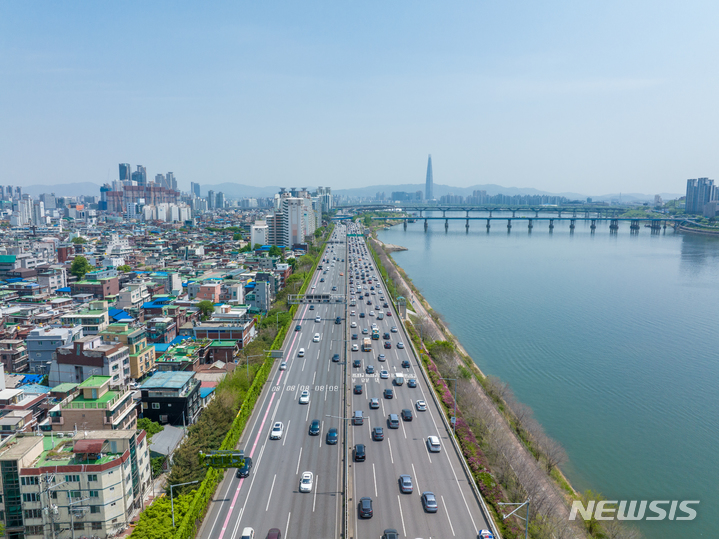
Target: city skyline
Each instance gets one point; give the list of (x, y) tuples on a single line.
[(261, 94)]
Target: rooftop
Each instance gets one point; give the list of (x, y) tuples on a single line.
[(168, 380), (94, 381)]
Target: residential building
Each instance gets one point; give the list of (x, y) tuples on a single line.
[(700, 191), (53, 278), (133, 296), (42, 343), (171, 398), (90, 355), (93, 321), (142, 354), (13, 355)]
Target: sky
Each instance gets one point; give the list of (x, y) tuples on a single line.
[(564, 96)]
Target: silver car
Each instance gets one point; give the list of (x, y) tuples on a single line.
[(405, 484)]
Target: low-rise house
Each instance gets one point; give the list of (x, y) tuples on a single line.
[(93, 320), (171, 397), (161, 329), (13, 355), (44, 341), (142, 354), (184, 356), (53, 278), (90, 355)]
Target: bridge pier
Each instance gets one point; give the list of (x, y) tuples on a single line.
[(466, 226), (559, 214), (530, 226), (572, 225), (405, 224), (614, 225), (444, 213), (509, 225), (551, 225), (488, 227), (656, 226), (536, 214), (593, 227), (446, 225), (420, 213), (634, 227), (490, 214), (425, 225), (574, 213), (513, 213)]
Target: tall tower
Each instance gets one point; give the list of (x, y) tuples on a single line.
[(429, 188), (125, 172)]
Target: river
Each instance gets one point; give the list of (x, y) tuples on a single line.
[(612, 339)]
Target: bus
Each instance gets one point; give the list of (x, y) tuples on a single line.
[(366, 345), (375, 334)]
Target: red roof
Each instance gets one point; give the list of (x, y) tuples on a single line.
[(88, 446)]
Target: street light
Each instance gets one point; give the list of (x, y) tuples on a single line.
[(172, 501), (526, 520), (247, 363), (454, 418)]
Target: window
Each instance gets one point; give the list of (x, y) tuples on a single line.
[(78, 526), (155, 405), (75, 494), (97, 525), (53, 494), (34, 530), (94, 494), (92, 477), (29, 481), (33, 513), (31, 497), (72, 478), (94, 509)]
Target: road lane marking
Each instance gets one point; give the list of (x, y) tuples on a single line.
[(304, 362), (322, 426), (403, 430), (404, 530), (374, 475), (314, 500), (450, 520), (287, 431), (313, 377), (427, 450), (416, 481), (389, 442), (287, 526), (298, 462), (307, 416), (383, 412), (270, 496)]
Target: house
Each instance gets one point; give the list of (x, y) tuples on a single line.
[(142, 354), (171, 397), (93, 321), (90, 355), (43, 342), (13, 355)]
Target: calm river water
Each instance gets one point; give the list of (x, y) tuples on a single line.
[(612, 339)]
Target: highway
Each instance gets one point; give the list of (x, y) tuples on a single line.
[(269, 497)]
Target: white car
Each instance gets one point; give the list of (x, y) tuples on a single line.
[(355, 348), (421, 406), (485, 534), (283, 366), (301, 352), (433, 444), (276, 432), (352, 313), (306, 482), (316, 338), (305, 397), (383, 374), (353, 324), (318, 319), (371, 313)]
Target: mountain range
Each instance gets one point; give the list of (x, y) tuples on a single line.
[(237, 190)]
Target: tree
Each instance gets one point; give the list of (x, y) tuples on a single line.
[(206, 308), (257, 246), (79, 240), (80, 266), (150, 427), (275, 251), (124, 268)]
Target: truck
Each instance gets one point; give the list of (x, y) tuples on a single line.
[(375, 334), (366, 345)]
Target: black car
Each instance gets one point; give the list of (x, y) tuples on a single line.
[(357, 363), (358, 389), (355, 336), (378, 434), (407, 414), (411, 382), (365, 507), (315, 427), (361, 315), (385, 306), (369, 302), (338, 320), (387, 344), (388, 393), (405, 363), (390, 534), (331, 437), (360, 453), (312, 307), (369, 369), (336, 358), (386, 336), (245, 470)]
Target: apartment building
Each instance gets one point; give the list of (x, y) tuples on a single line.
[(90, 355), (42, 343), (171, 397)]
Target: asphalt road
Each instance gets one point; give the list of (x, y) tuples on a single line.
[(270, 497)]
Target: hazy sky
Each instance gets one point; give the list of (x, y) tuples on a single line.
[(584, 96)]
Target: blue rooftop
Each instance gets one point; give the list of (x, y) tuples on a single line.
[(161, 347), (179, 339), (204, 391), (168, 380), (35, 389), (65, 289), (119, 315)]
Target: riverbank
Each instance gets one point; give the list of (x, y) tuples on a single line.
[(693, 230)]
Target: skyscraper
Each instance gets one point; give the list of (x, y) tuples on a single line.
[(429, 188), (171, 181), (211, 200), (125, 172), (699, 192), (195, 189), (140, 176)]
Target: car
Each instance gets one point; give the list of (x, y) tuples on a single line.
[(389, 313), (388, 393), (381, 357), (334, 289), (433, 444), (421, 406), (274, 533), (393, 421), (355, 348), (362, 315), (374, 404), (386, 336), (283, 366), (412, 382), (400, 344), (405, 364), (298, 327), (378, 434), (369, 302), (352, 313), (245, 470), (338, 320), (369, 369), (332, 437), (384, 374), (394, 329), (429, 502), (358, 389), (405, 484), (371, 313), (387, 345), (365, 331), (306, 481), (301, 352), (316, 338), (357, 363), (407, 414), (318, 319), (365, 507), (322, 280), (277, 430), (247, 533), (485, 534), (371, 287), (305, 397), (390, 533), (335, 358), (360, 454), (315, 427), (353, 324), (312, 307)]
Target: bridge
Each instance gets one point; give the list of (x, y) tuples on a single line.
[(488, 208)]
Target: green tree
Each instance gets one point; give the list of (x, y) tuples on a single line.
[(236, 237), (150, 427), (80, 266), (257, 246), (275, 251), (206, 308), (125, 268), (79, 239)]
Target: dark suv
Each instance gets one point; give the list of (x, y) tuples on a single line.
[(360, 453), (245, 470), (315, 427), (365, 507)]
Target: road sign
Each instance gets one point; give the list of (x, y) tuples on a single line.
[(223, 459)]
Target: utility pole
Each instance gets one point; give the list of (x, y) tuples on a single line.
[(172, 501), (526, 520)]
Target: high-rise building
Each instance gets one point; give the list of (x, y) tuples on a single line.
[(211, 200), (171, 181), (160, 180), (429, 187), (699, 192), (220, 200), (140, 176), (125, 172), (195, 189), (259, 233), (18, 192)]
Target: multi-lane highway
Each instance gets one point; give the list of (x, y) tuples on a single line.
[(270, 496)]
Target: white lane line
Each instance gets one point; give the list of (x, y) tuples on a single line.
[(322, 427), (375, 480), (404, 530), (427, 450), (307, 416), (303, 362), (416, 481), (403, 430), (326, 389), (449, 519), (369, 425), (298, 462), (270, 496), (287, 431), (314, 376), (383, 412), (287, 526), (389, 442), (314, 500)]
